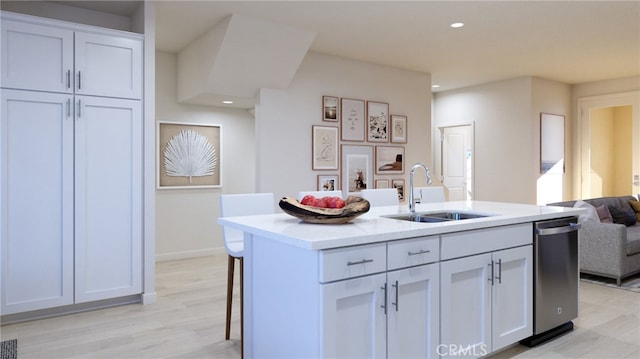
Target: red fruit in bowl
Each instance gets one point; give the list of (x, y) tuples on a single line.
[(308, 200), (320, 202)]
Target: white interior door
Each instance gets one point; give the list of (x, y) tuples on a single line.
[(457, 162)]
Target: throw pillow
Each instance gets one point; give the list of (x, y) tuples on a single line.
[(623, 215), (636, 207), (591, 215), (604, 214)]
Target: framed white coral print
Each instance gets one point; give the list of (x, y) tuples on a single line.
[(188, 155)]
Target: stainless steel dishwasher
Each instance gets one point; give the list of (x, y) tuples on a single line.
[(555, 276)]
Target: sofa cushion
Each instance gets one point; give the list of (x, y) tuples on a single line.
[(604, 214), (591, 215), (633, 239), (636, 207), (625, 215)]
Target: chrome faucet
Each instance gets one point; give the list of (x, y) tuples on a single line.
[(412, 203)]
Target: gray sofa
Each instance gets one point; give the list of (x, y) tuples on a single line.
[(609, 249)]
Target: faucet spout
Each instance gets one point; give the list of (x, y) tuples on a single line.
[(412, 202)]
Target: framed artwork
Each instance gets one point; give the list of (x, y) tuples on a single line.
[(328, 182), (330, 109), (352, 120), (377, 121), (551, 143), (389, 159), (399, 185), (188, 155), (357, 171), (324, 141), (382, 183), (398, 129)]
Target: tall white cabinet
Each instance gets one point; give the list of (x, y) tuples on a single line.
[(72, 164)]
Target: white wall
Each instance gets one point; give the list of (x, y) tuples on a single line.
[(506, 115), (284, 117), (186, 219)]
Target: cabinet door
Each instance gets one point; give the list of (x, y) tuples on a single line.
[(37, 200), (108, 198), (465, 289), (108, 66), (36, 57), (413, 314), (512, 296), (354, 319)]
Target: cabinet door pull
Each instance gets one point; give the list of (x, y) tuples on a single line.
[(396, 302), (79, 108), (492, 273), (350, 263), (68, 79), (499, 276), (79, 81), (68, 107), (384, 290), (422, 251)]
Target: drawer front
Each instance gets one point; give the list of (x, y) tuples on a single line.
[(411, 252), (349, 262), (467, 243)]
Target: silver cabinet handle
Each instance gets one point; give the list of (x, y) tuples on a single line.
[(396, 302), (68, 79), (79, 108), (491, 277), (359, 262), (79, 81), (499, 276), (422, 251), (384, 290)]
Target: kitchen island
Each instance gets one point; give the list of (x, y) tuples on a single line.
[(382, 287)]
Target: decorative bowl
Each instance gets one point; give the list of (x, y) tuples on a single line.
[(354, 207)]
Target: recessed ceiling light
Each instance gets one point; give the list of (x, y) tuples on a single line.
[(435, 86), (227, 102), (457, 25)]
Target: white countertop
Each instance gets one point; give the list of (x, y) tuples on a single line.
[(371, 227)]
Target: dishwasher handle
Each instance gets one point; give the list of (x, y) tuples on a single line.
[(558, 230)]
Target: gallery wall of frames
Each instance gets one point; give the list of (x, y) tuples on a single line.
[(359, 145)]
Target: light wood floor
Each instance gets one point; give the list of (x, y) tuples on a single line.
[(188, 322)]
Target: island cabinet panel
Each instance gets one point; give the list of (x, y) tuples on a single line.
[(354, 318), (486, 302), (413, 297)]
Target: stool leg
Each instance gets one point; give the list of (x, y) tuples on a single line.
[(230, 270), (242, 307)]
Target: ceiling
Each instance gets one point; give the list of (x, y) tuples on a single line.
[(567, 41)]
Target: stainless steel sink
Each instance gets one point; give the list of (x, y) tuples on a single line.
[(434, 217)]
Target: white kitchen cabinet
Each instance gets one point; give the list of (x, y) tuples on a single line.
[(72, 164), (354, 320), (413, 312), (37, 200), (108, 198), (393, 314), (486, 302), (77, 61)]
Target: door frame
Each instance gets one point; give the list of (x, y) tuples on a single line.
[(585, 105), (437, 150)]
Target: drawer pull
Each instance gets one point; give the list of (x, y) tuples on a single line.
[(422, 251), (359, 262)]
